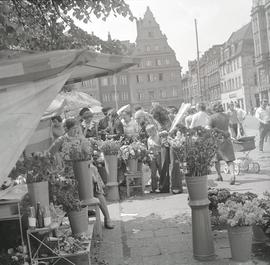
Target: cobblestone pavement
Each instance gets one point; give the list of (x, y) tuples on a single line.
[(156, 229)]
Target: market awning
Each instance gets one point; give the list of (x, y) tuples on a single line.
[(29, 84)]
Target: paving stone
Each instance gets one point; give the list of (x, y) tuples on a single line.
[(145, 251), (167, 232), (143, 234)]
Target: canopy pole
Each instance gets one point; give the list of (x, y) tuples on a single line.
[(115, 91)]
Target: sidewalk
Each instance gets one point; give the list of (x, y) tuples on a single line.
[(156, 230)]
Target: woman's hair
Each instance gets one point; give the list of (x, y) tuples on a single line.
[(69, 123), (58, 118)]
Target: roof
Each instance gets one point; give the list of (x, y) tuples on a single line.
[(244, 33)]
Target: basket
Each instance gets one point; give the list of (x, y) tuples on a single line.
[(244, 144)]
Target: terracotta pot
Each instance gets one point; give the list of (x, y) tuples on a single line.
[(197, 190), (78, 221), (132, 165), (83, 175), (240, 238), (39, 192)]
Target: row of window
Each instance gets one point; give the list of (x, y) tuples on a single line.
[(231, 66), (231, 84), (154, 62), (119, 80), (156, 94), (140, 78), (121, 96)]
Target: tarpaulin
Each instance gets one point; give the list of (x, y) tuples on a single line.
[(29, 84)]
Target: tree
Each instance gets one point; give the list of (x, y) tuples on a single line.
[(49, 24)]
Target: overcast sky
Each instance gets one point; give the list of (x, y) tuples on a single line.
[(217, 19)]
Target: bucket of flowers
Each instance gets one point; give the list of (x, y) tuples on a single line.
[(131, 153), (110, 150), (239, 218), (195, 150), (79, 152)]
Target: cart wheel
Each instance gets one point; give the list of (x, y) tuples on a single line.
[(236, 169), (256, 167), (245, 165), (226, 169)]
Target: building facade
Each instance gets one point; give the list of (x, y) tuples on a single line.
[(260, 14), (158, 77), (237, 69)]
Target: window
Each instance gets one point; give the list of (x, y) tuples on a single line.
[(160, 76), (125, 96), (163, 93), (156, 47), (148, 63), (158, 62), (232, 83), (137, 78), (123, 79), (236, 82), (172, 76), (239, 81), (140, 96), (150, 77), (174, 92), (147, 48), (104, 81), (167, 61), (150, 34), (151, 95)]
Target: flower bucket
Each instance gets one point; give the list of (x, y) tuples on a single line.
[(112, 184), (132, 165), (85, 182), (78, 221), (197, 190), (39, 192), (240, 238)]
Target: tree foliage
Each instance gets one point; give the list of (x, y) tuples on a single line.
[(49, 24)]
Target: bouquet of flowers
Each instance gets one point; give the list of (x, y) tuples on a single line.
[(195, 149), (109, 147), (65, 192), (265, 204), (36, 168), (134, 150), (241, 214), (80, 149)]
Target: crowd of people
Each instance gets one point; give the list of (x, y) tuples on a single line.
[(147, 128)]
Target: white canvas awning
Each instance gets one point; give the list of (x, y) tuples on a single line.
[(29, 84)]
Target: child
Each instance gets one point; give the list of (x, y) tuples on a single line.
[(154, 147)]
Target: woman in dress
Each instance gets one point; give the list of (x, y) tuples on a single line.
[(74, 137), (220, 121), (130, 125)]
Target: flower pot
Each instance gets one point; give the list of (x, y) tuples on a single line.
[(78, 221), (85, 182), (258, 234), (132, 165), (112, 184), (197, 190), (140, 164), (39, 192), (240, 238)]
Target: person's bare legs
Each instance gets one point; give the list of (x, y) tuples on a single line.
[(105, 211), (217, 166), (231, 168)]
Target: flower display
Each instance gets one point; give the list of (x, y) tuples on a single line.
[(80, 149), (134, 150), (196, 148), (240, 214), (265, 204), (109, 147)]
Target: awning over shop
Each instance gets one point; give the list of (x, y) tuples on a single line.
[(29, 84)]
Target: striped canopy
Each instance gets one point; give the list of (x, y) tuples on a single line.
[(29, 84)]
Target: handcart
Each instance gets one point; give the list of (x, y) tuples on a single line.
[(244, 163)]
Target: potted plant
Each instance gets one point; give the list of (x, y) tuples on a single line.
[(239, 218), (37, 169), (261, 231), (65, 192), (195, 150), (131, 153), (80, 152)]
